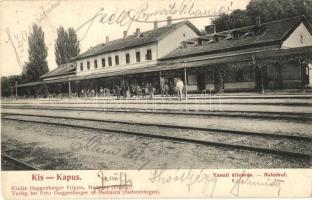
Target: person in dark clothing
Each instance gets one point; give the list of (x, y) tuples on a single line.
[(123, 89), (151, 90), (118, 91), (166, 88), (171, 88)]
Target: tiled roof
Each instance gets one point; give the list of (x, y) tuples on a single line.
[(133, 40), (225, 58), (271, 33), (64, 69)]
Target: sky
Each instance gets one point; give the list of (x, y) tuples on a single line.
[(93, 20)]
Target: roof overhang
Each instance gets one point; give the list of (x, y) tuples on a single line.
[(231, 57), (118, 73), (49, 81), (31, 84), (80, 57), (200, 61)]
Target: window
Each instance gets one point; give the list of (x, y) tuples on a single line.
[(81, 66), (95, 64), (148, 55), (109, 61), (88, 65), (301, 38), (116, 60), (192, 79), (127, 58), (137, 56), (239, 75), (103, 62)]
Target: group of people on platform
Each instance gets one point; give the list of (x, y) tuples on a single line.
[(172, 87), (125, 90), (87, 93)]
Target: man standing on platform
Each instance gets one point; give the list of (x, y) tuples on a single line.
[(179, 87)]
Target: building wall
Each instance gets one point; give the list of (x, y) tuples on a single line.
[(239, 86), (246, 82), (290, 75), (193, 88), (173, 40), (163, 47), (299, 38), (122, 60)]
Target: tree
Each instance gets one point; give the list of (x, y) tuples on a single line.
[(8, 85), (6, 88), (37, 54), (267, 10), (270, 10), (238, 18), (66, 45)]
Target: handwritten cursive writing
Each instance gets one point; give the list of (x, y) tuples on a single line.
[(275, 183), (94, 145), (19, 40), (18, 59), (189, 177), (116, 180), (143, 14), (45, 11)]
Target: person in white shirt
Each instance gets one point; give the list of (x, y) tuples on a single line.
[(179, 87)]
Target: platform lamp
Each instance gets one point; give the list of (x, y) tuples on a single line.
[(254, 62)]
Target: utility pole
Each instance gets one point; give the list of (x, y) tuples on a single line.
[(261, 72), (160, 84), (16, 90), (262, 88), (185, 79), (69, 89)]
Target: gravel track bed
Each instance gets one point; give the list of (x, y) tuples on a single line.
[(227, 123), (7, 164), (54, 147), (226, 138), (182, 106), (206, 100)]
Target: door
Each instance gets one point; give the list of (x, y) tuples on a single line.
[(219, 80), (261, 77), (201, 83)]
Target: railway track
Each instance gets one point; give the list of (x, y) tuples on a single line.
[(174, 134), (302, 117), (16, 163), (235, 132), (166, 102)]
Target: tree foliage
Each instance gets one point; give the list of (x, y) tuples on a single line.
[(66, 45), (8, 85), (267, 10), (37, 54)]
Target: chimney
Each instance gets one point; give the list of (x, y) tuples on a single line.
[(137, 32), (211, 29), (258, 21), (155, 24), (107, 39), (199, 41), (124, 34), (169, 20)]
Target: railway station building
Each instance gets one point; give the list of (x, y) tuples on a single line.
[(265, 56)]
